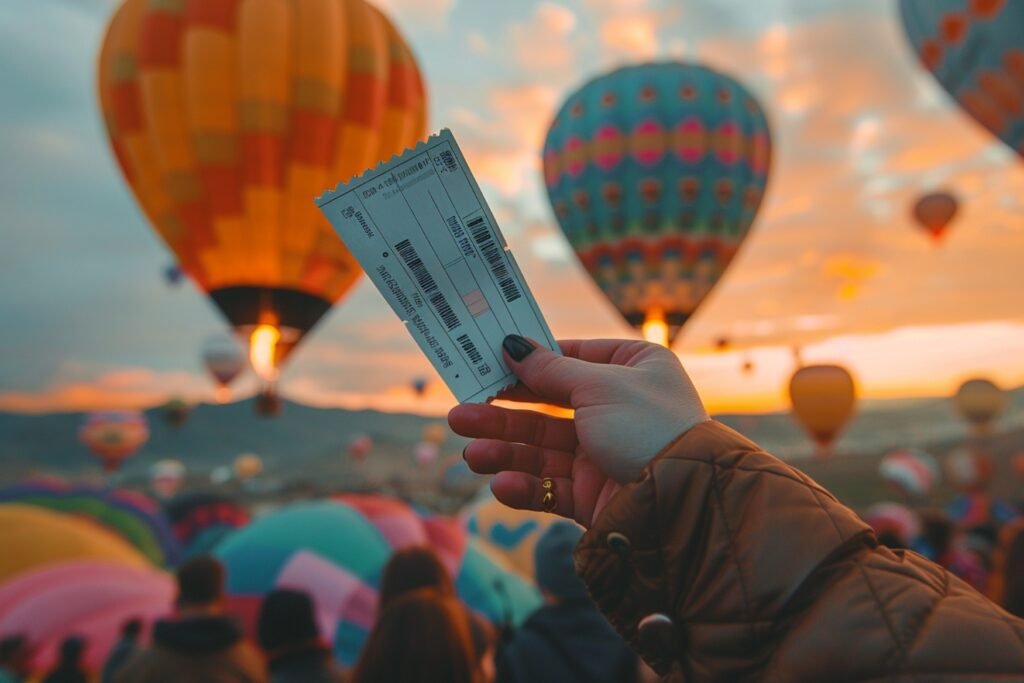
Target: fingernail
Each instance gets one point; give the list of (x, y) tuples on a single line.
[(518, 347), (464, 452)]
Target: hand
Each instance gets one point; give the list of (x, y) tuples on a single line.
[(631, 398)]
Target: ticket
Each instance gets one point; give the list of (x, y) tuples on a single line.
[(421, 229)]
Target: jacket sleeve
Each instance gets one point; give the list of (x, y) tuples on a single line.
[(721, 562)]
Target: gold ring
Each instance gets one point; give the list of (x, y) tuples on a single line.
[(548, 500)]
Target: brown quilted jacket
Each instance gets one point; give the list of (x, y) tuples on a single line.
[(722, 563)]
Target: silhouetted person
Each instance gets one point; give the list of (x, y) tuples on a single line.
[(567, 640), (125, 648), (15, 657), (1008, 578), (200, 644), (411, 569), (418, 567), (290, 640), (69, 665), (419, 637)]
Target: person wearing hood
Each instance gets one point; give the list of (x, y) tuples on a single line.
[(69, 664), (291, 641), (567, 639), (200, 644)]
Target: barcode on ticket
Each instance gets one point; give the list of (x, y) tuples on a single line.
[(427, 284), (421, 229), (494, 257), (469, 347)]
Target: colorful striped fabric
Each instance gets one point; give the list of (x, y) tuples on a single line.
[(655, 174), (228, 116), (975, 50)]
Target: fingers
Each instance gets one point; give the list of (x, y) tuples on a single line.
[(602, 351), (524, 491), (487, 456), (520, 393), (480, 421), (546, 374)]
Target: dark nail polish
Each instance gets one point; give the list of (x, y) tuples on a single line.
[(518, 347)]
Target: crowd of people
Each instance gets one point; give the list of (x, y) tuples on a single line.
[(423, 633), (706, 556)]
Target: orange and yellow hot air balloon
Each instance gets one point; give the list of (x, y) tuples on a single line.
[(228, 116), (823, 399)]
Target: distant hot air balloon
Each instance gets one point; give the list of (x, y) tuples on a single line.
[(360, 446), (419, 385), (934, 212), (166, 477), (722, 343), (912, 472), (655, 173), (228, 117), (224, 359), (175, 412), (114, 436), (975, 50), (748, 367), (425, 453), (435, 433), (980, 402), (823, 399), (248, 465), (173, 275)]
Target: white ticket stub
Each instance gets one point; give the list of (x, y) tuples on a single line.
[(422, 231)]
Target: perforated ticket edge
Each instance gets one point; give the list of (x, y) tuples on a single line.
[(385, 166)]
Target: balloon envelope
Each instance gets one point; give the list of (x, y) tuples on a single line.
[(134, 517), (823, 398), (166, 477), (975, 50), (934, 212), (227, 117), (337, 554), (91, 598), (980, 402), (114, 436), (33, 537), (224, 359), (506, 531), (202, 520), (913, 472), (655, 173)]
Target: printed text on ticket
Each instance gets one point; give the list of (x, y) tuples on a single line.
[(422, 231)]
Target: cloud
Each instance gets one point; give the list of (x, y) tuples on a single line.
[(631, 36), (544, 43), (114, 390)]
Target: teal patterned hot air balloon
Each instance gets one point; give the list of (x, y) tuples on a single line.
[(975, 50), (655, 173)]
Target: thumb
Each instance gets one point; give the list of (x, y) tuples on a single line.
[(550, 376)]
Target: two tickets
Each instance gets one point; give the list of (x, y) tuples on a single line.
[(421, 229)]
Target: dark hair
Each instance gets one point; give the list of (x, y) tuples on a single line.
[(71, 649), (419, 637), (936, 531), (200, 581), (12, 648), (131, 628), (286, 620), (411, 569)]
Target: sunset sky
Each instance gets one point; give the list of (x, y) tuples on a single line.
[(859, 131)]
